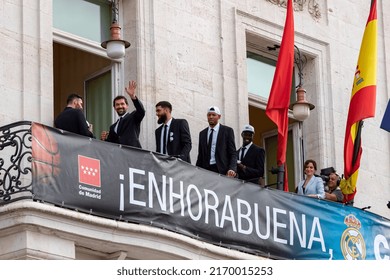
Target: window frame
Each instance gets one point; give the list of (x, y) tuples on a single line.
[(261, 103), (84, 21), (260, 100), (93, 47)]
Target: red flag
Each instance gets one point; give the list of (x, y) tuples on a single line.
[(279, 98), (89, 171), (362, 104)]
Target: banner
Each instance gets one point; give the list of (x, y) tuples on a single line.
[(138, 186)]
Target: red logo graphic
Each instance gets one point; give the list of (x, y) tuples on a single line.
[(89, 171)]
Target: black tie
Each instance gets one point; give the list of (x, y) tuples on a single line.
[(242, 153), (165, 139), (209, 143), (118, 127)]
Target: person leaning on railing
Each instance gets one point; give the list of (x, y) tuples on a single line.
[(312, 185), (332, 189)]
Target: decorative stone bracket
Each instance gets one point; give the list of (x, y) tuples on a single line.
[(313, 6)]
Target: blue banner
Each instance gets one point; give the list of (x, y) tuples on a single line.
[(139, 186)]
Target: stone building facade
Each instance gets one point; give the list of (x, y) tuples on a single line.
[(196, 54)]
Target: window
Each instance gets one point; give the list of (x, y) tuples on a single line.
[(261, 66), (260, 74), (87, 19), (99, 101), (79, 27)]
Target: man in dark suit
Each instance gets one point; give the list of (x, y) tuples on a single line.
[(72, 119), (126, 129), (173, 137), (217, 149), (250, 164)]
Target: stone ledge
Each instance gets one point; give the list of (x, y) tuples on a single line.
[(92, 237)]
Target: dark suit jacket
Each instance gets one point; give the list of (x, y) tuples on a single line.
[(225, 154), (130, 127), (179, 139), (73, 120), (254, 162)]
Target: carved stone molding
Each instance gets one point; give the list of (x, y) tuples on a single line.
[(299, 5), (314, 9)]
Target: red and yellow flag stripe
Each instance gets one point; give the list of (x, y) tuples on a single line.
[(362, 103)]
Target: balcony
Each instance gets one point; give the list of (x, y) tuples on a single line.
[(65, 196), (36, 229)]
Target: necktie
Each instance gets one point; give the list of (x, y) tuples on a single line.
[(119, 124), (242, 153), (210, 141), (165, 139)]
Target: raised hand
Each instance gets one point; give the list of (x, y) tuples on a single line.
[(131, 89)]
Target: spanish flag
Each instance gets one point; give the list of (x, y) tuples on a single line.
[(362, 104), (279, 98)]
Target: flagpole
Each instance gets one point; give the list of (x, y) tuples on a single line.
[(357, 144), (280, 177), (279, 98)]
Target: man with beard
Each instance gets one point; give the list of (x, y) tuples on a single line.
[(250, 164), (72, 119), (126, 129), (173, 136), (217, 149)]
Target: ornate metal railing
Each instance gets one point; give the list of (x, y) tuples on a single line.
[(15, 162)]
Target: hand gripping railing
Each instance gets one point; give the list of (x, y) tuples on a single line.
[(15, 162)]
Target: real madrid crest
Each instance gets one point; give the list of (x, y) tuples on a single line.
[(352, 243)]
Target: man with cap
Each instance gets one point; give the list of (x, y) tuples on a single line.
[(217, 149), (250, 164)]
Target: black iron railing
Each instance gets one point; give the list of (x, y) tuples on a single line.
[(15, 162)]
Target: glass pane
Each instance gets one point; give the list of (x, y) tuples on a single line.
[(88, 19), (260, 74), (260, 71), (99, 103)]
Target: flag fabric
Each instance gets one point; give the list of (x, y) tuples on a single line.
[(279, 98), (385, 124), (362, 104), (89, 171)]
